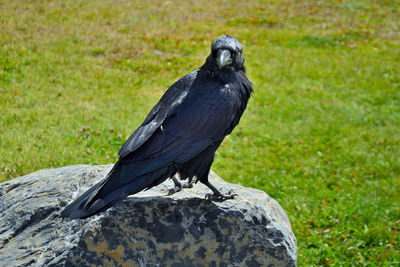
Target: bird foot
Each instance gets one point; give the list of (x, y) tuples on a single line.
[(175, 189), (220, 197), (178, 186)]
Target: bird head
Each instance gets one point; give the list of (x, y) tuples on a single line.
[(226, 53)]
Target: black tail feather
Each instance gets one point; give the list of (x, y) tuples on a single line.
[(110, 190), (83, 206)]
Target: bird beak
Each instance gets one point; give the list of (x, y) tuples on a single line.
[(223, 58)]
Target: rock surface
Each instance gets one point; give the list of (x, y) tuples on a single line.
[(147, 229)]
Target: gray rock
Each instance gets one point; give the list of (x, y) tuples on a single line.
[(147, 229)]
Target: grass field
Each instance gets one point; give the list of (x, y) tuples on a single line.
[(321, 133)]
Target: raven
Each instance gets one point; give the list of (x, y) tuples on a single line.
[(180, 134)]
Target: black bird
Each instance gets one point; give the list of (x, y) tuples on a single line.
[(180, 134)]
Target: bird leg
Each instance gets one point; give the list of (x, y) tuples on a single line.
[(179, 186), (217, 194)]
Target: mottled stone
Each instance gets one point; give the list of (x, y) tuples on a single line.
[(147, 229)]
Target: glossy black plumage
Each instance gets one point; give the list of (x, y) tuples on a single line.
[(180, 134)]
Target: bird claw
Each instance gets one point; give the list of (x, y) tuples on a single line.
[(220, 197), (174, 190), (178, 187)]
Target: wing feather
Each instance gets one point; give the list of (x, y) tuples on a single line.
[(162, 110), (186, 121)]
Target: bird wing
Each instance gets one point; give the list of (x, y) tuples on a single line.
[(162, 110), (201, 119)]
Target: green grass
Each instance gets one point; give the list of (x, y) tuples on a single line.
[(321, 133)]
